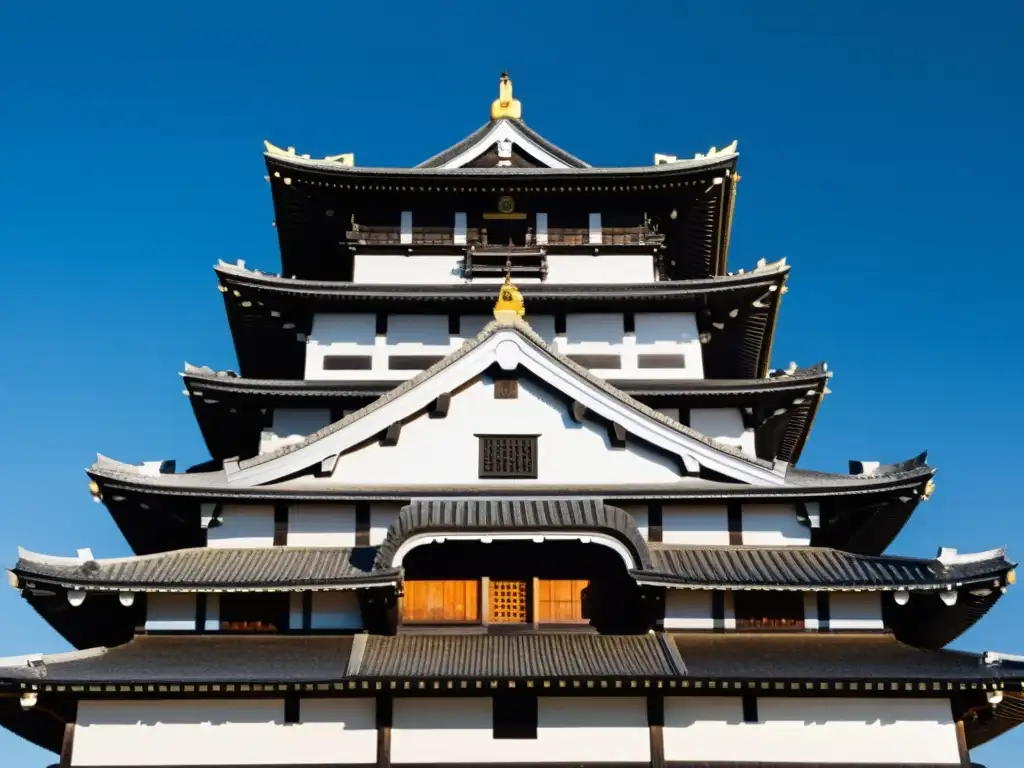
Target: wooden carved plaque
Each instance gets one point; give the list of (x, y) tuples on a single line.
[(506, 389)]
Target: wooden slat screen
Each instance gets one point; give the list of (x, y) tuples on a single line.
[(439, 601), (561, 600), (508, 456)]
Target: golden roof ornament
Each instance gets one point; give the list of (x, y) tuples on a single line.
[(505, 105), (510, 301), (929, 489)]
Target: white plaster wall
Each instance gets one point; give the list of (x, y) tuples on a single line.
[(688, 609), (338, 334), (471, 325), (724, 425), (233, 732), (855, 610), (639, 513), (336, 610), (672, 333), (698, 524), (243, 525), (322, 525), (894, 731), (584, 729), (445, 452), (774, 525), (291, 425), (605, 268), (811, 619), (170, 612), (382, 515), (399, 269)]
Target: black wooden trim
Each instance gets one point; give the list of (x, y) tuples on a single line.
[(67, 744), (391, 435), (454, 325), (655, 522), (579, 411), (605, 362), (560, 323), (291, 708), (347, 362), (735, 522), (616, 435), (385, 719), (307, 611), (660, 361), (718, 610), (628, 322), (684, 416), (412, 362), (750, 709), (362, 523), (441, 406), (381, 328), (201, 598), (280, 525), (824, 612), (656, 726), (514, 716)]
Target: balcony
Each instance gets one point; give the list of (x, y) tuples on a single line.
[(557, 237)]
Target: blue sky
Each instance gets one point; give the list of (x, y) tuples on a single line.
[(878, 152)]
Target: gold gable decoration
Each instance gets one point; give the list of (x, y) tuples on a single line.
[(505, 105), (510, 301)]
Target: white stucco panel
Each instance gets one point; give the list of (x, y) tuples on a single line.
[(338, 334), (824, 730), (243, 525), (774, 525), (453, 730), (855, 610), (322, 525), (401, 269), (605, 268), (724, 425), (697, 524), (336, 610), (170, 612), (445, 452), (291, 425), (688, 609), (234, 732), (382, 515)]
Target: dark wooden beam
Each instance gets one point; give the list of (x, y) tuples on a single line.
[(656, 724), (385, 715), (68, 744), (617, 435), (390, 438), (441, 406), (579, 411)]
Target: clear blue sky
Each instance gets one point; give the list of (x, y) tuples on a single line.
[(879, 154)]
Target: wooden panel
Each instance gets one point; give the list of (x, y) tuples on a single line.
[(561, 600), (507, 604), (441, 601)]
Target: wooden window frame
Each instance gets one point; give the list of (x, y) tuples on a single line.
[(484, 441)]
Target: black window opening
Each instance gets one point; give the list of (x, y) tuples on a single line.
[(660, 361), (514, 716), (508, 456), (254, 611), (769, 610), (347, 362)]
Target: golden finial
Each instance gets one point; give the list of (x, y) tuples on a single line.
[(505, 105), (929, 489), (510, 300)]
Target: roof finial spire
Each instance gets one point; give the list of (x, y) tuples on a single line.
[(505, 105), (510, 304)]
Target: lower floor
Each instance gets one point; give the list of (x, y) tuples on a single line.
[(515, 728)]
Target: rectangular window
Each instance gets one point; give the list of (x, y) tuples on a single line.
[(508, 602), (254, 611), (347, 362), (411, 362), (508, 456), (660, 361), (441, 601), (515, 716), (561, 601), (597, 361), (769, 610)]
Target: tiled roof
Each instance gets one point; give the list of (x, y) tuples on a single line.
[(214, 568), (476, 136), (467, 515), (519, 656), (736, 567)]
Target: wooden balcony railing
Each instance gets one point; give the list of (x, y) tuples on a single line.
[(375, 234)]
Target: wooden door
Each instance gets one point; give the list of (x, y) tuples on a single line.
[(560, 601), (441, 601), (507, 602)]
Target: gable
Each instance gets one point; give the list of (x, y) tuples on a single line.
[(510, 146), (508, 346), (446, 452)]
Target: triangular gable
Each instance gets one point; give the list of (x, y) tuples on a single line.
[(506, 136), (509, 346)]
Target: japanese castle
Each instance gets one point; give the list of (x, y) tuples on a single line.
[(506, 477)]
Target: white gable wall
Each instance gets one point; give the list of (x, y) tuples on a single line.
[(226, 732), (569, 730), (892, 731), (724, 425), (291, 425), (243, 525), (445, 452)]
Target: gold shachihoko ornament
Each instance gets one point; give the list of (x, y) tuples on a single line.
[(509, 298)]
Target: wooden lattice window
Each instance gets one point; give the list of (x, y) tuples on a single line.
[(508, 456), (508, 602)]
